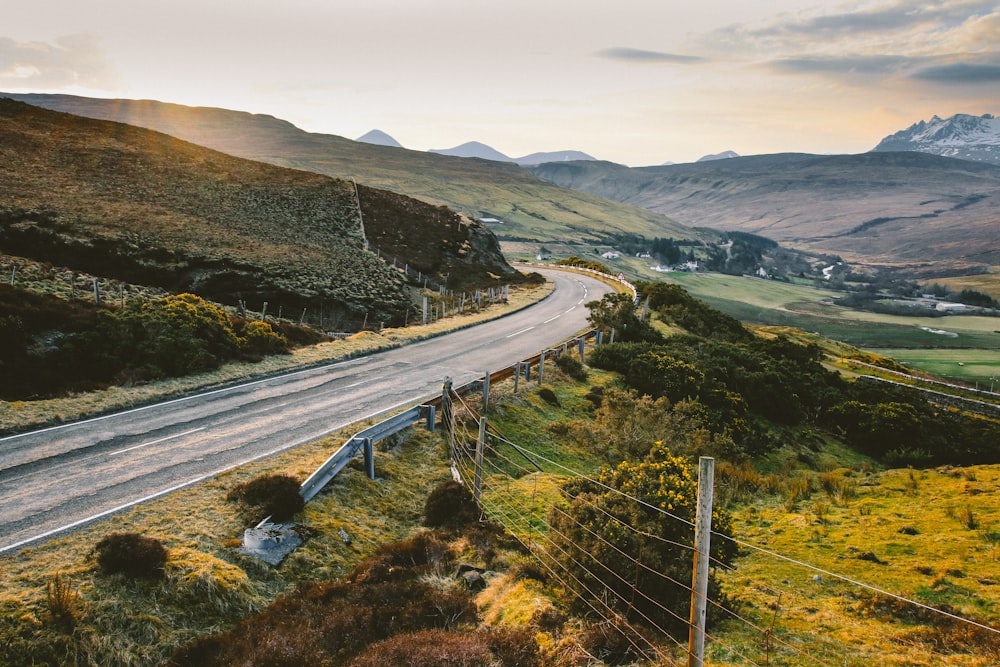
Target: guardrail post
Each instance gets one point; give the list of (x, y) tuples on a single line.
[(486, 392), (541, 367), (600, 338), (612, 335), (699, 577), (446, 411), (581, 344), (369, 458), (480, 445), (517, 374), (431, 414)]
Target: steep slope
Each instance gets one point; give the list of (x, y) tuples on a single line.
[(530, 208), (124, 202), (961, 136), (900, 209)]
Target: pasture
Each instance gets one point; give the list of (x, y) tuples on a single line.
[(960, 347)]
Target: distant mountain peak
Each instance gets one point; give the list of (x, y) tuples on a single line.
[(556, 156), (473, 149), (379, 138), (961, 136), (724, 155)]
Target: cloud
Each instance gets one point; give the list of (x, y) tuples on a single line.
[(627, 54), (960, 73), (851, 66), (888, 20), (73, 60)]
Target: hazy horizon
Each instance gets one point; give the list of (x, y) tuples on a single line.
[(642, 82)]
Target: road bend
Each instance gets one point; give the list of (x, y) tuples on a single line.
[(62, 477)]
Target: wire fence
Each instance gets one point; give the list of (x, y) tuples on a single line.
[(784, 624), (327, 314)]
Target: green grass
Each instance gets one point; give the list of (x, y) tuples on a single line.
[(929, 536), (975, 366), (910, 521)]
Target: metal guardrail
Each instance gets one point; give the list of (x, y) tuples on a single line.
[(364, 441)]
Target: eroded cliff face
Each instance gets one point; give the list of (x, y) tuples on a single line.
[(451, 248)]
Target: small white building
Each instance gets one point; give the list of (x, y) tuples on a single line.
[(946, 307), (611, 255)]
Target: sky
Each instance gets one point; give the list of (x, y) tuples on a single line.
[(639, 82)]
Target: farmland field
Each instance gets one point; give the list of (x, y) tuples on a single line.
[(978, 366), (957, 346)]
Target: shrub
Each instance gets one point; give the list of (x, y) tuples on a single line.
[(62, 602), (572, 367), (450, 505), (613, 642), (131, 554), (274, 495), (611, 546), (427, 648), (548, 396)]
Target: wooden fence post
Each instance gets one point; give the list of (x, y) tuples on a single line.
[(699, 577)]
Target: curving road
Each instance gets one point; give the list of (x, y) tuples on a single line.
[(58, 478)]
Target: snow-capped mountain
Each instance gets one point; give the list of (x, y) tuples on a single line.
[(960, 136), (724, 155)]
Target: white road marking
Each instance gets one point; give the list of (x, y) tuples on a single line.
[(518, 333), (187, 398), (156, 442)]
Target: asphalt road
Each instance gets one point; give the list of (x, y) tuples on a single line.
[(59, 478)]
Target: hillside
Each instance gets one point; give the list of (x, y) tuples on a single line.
[(908, 210), (528, 207), (122, 202)]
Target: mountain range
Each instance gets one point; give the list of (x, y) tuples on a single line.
[(914, 211), (961, 136), (479, 150), (910, 210)]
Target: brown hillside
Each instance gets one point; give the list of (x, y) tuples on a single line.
[(129, 203), (529, 207), (895, 209)]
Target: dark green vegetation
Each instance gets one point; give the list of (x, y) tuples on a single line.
[(529, 208), (131, 554), (49, 346), (744, 384), (125, 203), (922, 214), (268, 496), (602, 532)]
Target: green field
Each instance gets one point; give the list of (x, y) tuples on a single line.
[(960, 347), (979, 366)]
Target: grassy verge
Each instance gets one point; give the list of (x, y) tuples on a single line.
[(112, 620)]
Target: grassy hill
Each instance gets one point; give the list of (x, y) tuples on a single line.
[(123, 202), (529, 208), (924, 213)]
